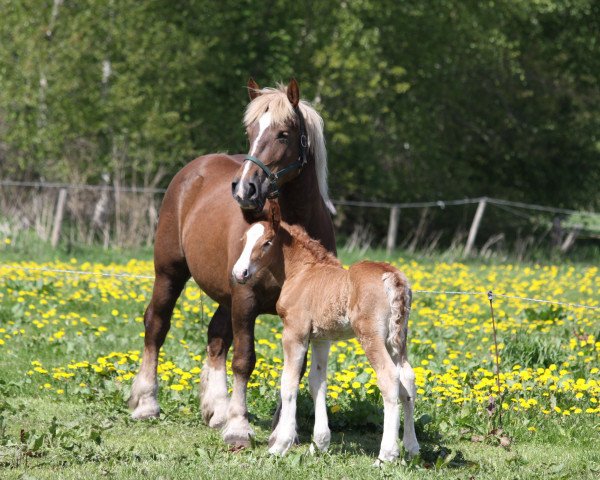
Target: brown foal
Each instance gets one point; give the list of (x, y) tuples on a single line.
[(199, 234), (320, 301)]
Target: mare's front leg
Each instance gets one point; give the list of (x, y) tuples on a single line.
[(295, 344), (157, 321), (213, 382), (317, 380), (237, 430)]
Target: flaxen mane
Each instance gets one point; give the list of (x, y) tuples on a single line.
[(275, 100)]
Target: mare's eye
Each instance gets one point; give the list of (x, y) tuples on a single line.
[(283, 137)]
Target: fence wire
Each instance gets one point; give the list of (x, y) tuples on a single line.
[(427, 292)]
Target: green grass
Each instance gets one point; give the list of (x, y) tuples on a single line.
[(79, 427)]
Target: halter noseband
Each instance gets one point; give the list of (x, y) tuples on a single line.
[(299, 164)]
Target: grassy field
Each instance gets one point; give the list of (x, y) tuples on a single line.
[(70, 346)]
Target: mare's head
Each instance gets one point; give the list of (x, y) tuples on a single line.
[(262, 249), (284, 134)]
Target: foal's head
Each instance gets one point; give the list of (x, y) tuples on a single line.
[(262, 250), (277, 133)]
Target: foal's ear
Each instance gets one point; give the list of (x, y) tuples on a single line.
[(293, 92), (253, 89), (275, 215)]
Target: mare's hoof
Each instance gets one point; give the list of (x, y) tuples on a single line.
[(237, 432), (217, 421), (213, 418), (237, 440), (144, 412)]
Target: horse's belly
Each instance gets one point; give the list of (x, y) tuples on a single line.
[(336, 329), (210, 282), (211, 231)]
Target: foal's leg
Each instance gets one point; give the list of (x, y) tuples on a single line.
[(294, 350), (157, 320), (408, 391), (389, 384), (213, 382), (317, 379), (277, 413), (237, 430)]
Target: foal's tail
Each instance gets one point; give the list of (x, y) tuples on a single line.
[(399, 295)]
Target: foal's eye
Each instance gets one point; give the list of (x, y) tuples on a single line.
[(268, 243)]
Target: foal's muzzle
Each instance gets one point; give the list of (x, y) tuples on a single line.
[(241, 277)]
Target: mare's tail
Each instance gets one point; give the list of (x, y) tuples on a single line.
[(399, 295)]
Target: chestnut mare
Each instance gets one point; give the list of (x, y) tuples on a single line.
[(200, 232), (321, 301)]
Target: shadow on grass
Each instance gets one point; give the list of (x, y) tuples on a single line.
[(357, 430)]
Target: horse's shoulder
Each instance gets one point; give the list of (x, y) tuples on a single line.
[(215, 160)]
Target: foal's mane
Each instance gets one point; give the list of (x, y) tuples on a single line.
[(276, 101), (314, 248)]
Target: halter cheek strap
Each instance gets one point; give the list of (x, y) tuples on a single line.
[(297, 165)]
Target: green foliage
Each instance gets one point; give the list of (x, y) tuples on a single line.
[(437, 99)]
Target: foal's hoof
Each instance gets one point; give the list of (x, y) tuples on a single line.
[(273, 439), (281, 446), (412, 447), (386, 456)]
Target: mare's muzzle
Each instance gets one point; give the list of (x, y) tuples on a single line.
[(250, 193)]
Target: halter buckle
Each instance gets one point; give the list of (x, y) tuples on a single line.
[(303, 141)]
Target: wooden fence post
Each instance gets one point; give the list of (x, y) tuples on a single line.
[(392, 229), (58, 216), (475, 225)]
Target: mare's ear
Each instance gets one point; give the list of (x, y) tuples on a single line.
[(253, 89), (275, 215), (293, 92)]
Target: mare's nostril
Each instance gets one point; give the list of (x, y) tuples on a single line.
[(233, 187), (251, 190)]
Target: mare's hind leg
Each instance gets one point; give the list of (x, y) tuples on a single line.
[(157, 321), (213, 384), (317, 380), (408, 392)]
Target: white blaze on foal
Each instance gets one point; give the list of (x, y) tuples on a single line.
[(321, 301), (241, 269)]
